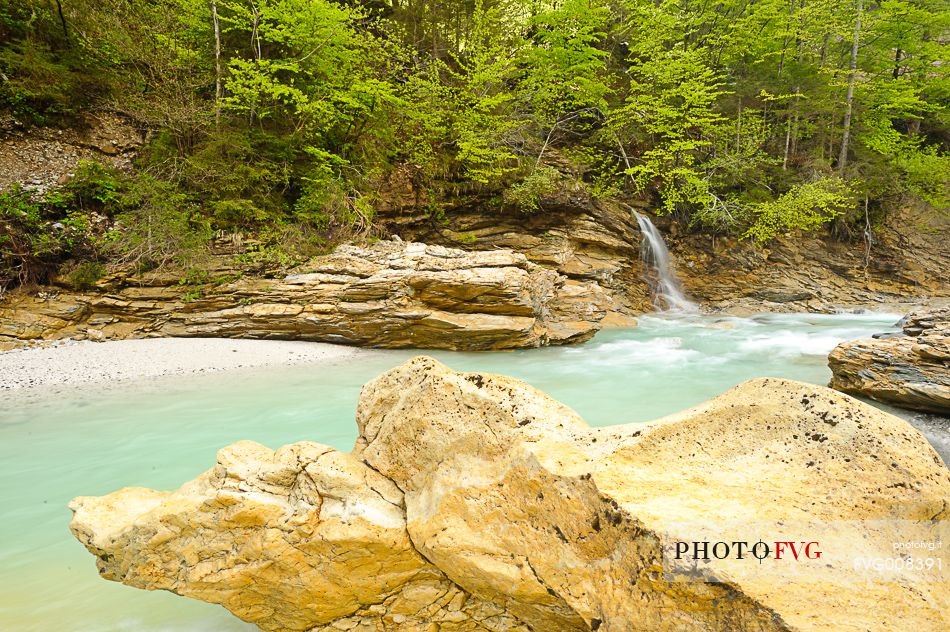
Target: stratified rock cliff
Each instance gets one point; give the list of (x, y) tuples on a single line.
[(475, 502), (390, 294), (910, 370), (598, 239)]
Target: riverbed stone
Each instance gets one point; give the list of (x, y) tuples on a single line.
[(473, 501), (911, 370)]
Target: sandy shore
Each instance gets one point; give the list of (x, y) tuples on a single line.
[(122, 360)]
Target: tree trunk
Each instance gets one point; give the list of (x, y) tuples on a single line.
[(781, 62), (788, 143), (829, 151), (791, 134), (739, 126), (256, 51), (217, 64), (849, 97), (62, 21)]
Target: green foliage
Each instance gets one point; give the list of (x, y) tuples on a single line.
[(243, 175), (93, 186), (527, 194), (313, 112), (85, 275), (194, 284), (99, 213), (563, 77), (43, 87), (481, 123), (671, 107), (157, 225), (46, 77), (806, 206), (35, 237), (925, 174), (312, 70), (922, 168), (282, 247)]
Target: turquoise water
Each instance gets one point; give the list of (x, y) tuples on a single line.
[(160, 433)]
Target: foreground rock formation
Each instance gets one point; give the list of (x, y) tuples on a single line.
[(475, 502), (291, 540), (911, 370), (390, 294)]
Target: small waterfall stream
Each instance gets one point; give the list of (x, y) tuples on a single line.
[(667, 292)]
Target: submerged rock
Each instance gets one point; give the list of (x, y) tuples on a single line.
[(390, 294), (475, 502), (910, 370)]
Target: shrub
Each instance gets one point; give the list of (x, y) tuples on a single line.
[(36, 238), (158, 225), (528, 193), (284, 246), (43, 86), (805, 206), (85, 275), (94, 186)]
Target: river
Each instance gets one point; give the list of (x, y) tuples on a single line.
[(159, 433)]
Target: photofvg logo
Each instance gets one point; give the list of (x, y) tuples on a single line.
[(836, 552), (738, 549), (708, 560)]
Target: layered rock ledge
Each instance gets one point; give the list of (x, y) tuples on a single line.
[(910, 370), (390, 294), (585, 238), (475, 502)]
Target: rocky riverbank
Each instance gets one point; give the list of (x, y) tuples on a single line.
[(475, 502), (593, 244), (588, 250), (389, 294), (584, 238), (910, 370), (515, 282)]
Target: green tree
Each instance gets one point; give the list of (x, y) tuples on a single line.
[(484, 120), (669, 114), (562, 69)]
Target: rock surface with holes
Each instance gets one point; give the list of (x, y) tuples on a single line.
[(475, 502)]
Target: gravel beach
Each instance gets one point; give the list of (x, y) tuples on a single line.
[(122, 360)]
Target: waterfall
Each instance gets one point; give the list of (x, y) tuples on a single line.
[(666, 289)]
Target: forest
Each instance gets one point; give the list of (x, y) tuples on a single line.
[(289, 119)]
